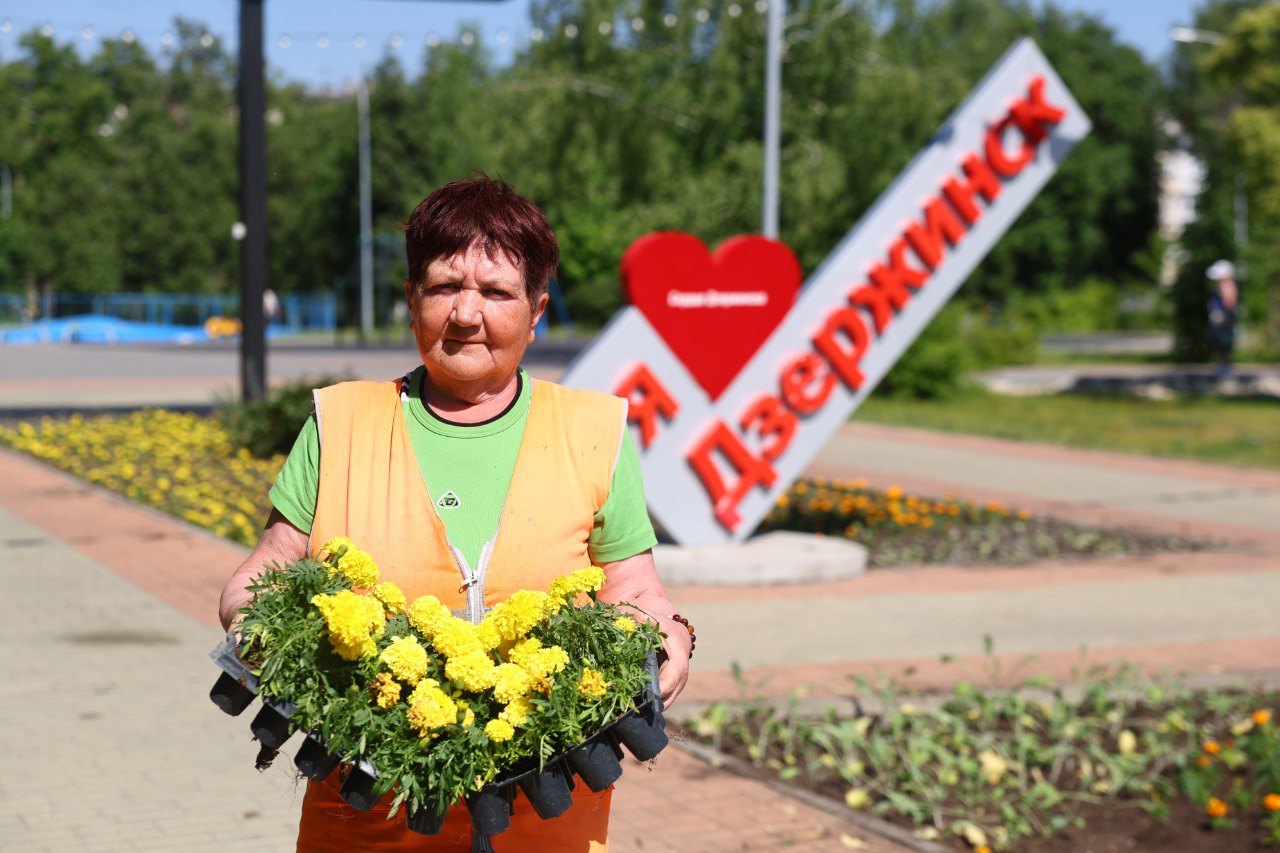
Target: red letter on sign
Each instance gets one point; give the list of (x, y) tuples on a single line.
[(981, 180), (897, 277), (844, 360), (1032, 114), (939, 223), (876, 301), (797, 377), (771, 418), (996, 155), (752, 471), (652, 400)]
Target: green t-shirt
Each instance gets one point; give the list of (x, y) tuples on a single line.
[(467, 469)]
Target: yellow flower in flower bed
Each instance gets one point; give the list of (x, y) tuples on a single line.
[(456, 637), (577, 583), (517, 711), (427, 614), (391, 597), (511, 683), (353, 622), (474, 670), (499, 730), (385, 690), (354, 564), (406, 659), (514, 617), (430, 707), (592, 685)]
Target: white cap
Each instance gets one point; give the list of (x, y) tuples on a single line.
[(1221, 269)]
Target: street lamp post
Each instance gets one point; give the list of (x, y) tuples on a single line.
[(772, 116), (366, 212), (253, 204)]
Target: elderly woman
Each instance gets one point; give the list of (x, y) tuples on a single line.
[(468, 480)]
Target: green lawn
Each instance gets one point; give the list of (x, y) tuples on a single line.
[(1240, 432)]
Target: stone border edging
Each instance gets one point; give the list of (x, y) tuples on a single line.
[(890, 832)]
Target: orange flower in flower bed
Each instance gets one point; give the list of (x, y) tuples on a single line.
[(1271, 802), (1203, 761), (1262, 717), (1212, 747), (1215, 808)]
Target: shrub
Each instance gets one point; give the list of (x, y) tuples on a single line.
[(269, 427)]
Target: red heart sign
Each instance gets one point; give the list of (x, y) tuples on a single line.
[(713, 311)]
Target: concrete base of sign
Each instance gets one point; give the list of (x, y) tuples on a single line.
[(775, 558)]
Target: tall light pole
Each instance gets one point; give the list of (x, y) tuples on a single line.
[(253, 204), (772, 116), (366, 211), (1240, 204)]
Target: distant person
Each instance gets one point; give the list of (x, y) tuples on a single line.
[(1222, 314), (270, 306)]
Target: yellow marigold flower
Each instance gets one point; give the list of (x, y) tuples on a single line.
[(893, 493), (592, 685), (427, 614), (406, 659), (385, 690), (488, 635), (1212, 747), (456, 637), (430, 707), (514, 617), (499, 730), (590, 579), (358, 568), (626, 623), (337, 543), (474, 671), (353, 621), (390, 596), (1262, 717), (517, 711), (1215, 807), (511, 682), (1271, 802)]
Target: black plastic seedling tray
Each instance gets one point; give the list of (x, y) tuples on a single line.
[(596, 761)]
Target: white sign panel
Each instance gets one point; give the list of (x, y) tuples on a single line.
[(727, 415)]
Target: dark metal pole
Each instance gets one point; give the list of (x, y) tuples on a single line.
[(253, 203)]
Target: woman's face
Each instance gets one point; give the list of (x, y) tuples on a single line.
[(472, 319)]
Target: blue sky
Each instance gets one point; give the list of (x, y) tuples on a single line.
[(296, 29)]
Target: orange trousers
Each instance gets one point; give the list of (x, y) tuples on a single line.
[(329, 824)]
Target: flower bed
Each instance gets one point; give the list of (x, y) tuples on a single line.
[(189, 466), (1031, 769), (183, 464), (903, 529)]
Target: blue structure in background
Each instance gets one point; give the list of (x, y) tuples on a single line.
[(150, 317)]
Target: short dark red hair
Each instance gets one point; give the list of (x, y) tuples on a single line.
[(485, 211)]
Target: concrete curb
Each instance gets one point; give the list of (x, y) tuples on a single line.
[(781, 557)]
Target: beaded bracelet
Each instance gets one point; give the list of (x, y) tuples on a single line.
[(693, 638)]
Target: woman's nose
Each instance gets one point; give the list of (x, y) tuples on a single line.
[(467, 308)]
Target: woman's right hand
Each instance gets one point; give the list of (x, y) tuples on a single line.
[(281, 542)]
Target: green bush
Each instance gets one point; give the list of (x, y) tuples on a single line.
[(268, 427)]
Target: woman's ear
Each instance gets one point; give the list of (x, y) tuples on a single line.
[(538, 310)]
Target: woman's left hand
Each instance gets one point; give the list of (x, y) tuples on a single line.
[(635, 581)]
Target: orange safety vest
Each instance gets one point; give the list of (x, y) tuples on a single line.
[(372, 491)]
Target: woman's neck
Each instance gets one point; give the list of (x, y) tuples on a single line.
[(468, 403)]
